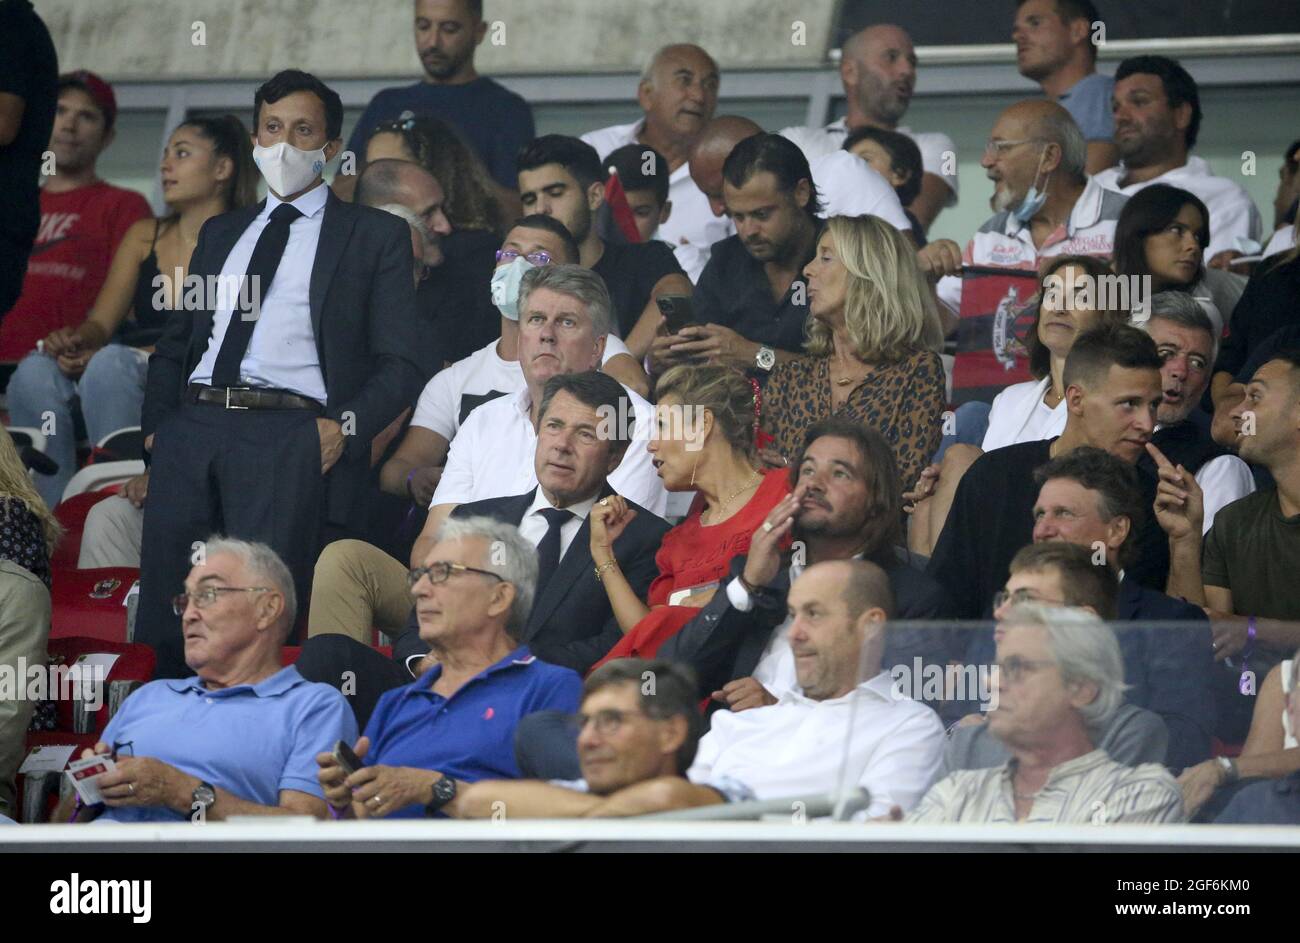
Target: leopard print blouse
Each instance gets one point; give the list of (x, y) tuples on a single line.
[(904, 401)]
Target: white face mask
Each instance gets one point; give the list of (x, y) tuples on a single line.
[(505, 286), (286, 169)]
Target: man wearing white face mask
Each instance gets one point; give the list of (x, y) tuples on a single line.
[(416, 466), (1044, 205), (261, 404)]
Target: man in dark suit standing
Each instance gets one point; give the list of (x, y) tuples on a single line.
[(262, 403), (585, 425)]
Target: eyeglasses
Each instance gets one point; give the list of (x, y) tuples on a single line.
[(607, 722), (1018, 596), (403, 122), (205, 597), (996, 149), (438, 572), (1015, 667), (540, 257)]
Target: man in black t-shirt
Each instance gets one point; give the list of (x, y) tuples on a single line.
[(562, 177), (29, 73), (1113, 389)]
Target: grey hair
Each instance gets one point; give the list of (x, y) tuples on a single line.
[(509, 556), (576, 282), (263, 564), (1178, 307), (1085, 649), (1059, 128), (409, 215)]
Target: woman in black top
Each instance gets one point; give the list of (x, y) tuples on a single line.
[(207, 169)]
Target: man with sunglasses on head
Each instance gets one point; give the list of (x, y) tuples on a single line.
[(182, 748), (455, 724)]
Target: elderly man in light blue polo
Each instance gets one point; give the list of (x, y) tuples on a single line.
[(241, 736)]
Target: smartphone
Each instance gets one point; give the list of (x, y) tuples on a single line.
[(677, 311), (344, 756)]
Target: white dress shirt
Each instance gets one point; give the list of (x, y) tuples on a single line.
[(1223, 480), (692, 229), (938, 154), (533, 526), (800, 747), (479, 374), (282, 352), (1020, 415), (493, 456), (1233, 213), (849, 186)]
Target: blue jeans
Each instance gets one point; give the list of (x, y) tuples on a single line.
[(971, 421), (112, 394)]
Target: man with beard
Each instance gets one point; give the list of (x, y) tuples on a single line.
[(878, 69), (494, 121), (1157, 112), (1056, 47), (844, 506), (1187, 346), (561, 177)]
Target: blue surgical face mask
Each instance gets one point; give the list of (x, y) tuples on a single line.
[(1034, 198), (505, 286)]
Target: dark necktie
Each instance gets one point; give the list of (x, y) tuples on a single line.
[(261, 269), (548, 549)]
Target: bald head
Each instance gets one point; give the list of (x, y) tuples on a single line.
[(678, 93), (1050, 123), (878, 69), (667, 58), (719, 137), (393, 181)]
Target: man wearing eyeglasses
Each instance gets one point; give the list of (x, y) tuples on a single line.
[(182, 748), (637, 731), (456, 723)]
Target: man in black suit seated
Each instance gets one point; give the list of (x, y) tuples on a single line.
[(846, 503), (262, 402), (584, 428)]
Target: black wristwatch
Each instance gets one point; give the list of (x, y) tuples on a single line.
[(444, 790), (203, 797)]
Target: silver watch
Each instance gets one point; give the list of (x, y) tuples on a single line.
[(765, 359), (1229, 765)]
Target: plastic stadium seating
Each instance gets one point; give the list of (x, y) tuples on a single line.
[(91, 602)]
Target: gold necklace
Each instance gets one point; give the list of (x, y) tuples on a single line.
[(715, 511)]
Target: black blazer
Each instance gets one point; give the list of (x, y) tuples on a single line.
[(572, 623), (363, 314)]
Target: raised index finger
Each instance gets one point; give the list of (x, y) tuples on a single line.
[(1158, 456)]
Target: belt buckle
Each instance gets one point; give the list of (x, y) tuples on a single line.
[(228, 389)]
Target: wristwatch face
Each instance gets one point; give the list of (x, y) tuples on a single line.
[(765, 358), (444, 790), (203, 795)]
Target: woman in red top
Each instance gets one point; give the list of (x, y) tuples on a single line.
[(707, 420)]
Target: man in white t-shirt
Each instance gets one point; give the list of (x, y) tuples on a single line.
[(415, 468), (834, 731), (878, 69), (564, 322), (1157, 119), (678, 93)]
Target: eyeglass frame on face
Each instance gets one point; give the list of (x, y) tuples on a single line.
[(1016, 667), (998, 148), (537, 257), (209, 595), (608, 721), (414, 575), (1018, 596)]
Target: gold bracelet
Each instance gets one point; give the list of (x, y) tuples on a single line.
[(603, 567)]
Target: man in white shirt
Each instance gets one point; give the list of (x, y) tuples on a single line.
[(878, 69), (835, 732), (564, 321), (1157, 118), (414, 469), (678, 93)]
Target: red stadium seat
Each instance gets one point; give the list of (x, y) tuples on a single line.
[(72, 515), (90, 602)]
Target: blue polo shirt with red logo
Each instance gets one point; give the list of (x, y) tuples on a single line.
[(470, 735)]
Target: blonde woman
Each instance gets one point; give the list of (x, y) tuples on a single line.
[(704, 443), (28, 530), (873, 332)]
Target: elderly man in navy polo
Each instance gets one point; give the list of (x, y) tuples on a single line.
[(455, 724), (241, 736)]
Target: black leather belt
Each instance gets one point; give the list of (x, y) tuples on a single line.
[(242, 397)]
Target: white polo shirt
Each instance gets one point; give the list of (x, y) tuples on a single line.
[(1233, 213), (472, 381), (797, 747), (492, 456), (692, 229), (937, 150)]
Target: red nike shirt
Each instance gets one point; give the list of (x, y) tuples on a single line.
[(80, 231)]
